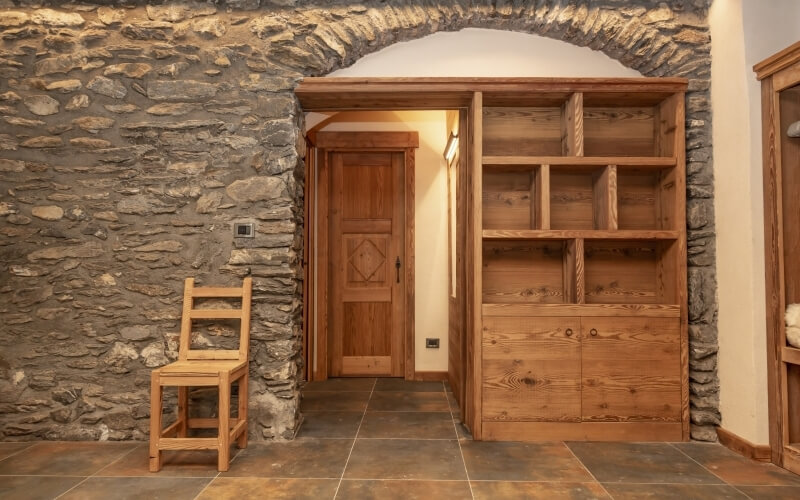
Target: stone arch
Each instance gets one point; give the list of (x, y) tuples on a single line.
[(655, 39)]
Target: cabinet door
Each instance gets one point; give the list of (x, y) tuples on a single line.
[(531, 369), (631, 369)]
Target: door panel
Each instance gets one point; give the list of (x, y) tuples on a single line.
[(531, 369), (367, 311), (631, 369)]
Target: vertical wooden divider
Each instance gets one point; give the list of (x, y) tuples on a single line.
[(605, 198), (476, 138), (574, 288), (540, 197), (572, 126)]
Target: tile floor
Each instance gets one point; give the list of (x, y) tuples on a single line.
[(387, 439)]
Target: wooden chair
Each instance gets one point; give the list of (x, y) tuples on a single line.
[(195, 368)]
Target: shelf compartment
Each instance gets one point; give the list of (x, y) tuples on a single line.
[(577, 195), (792, 405), (588, 234), (514, 199), (522, 130), (619, 131), (646, 198), (630, 272), (791, 355), (525, 272)]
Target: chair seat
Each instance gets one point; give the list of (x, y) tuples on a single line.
[(205, 369)]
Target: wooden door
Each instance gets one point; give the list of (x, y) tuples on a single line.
[(531, 369), (631, 369), (367, 263)]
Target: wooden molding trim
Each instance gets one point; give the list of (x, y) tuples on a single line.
[(740, 445), (777, 62), (430, 376), (366, 140)]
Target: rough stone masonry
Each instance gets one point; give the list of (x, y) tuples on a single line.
[(133, 135)]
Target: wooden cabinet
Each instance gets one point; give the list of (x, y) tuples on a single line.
[(780, 108), (582, 275)]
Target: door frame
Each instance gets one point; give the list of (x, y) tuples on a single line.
[(324, 143)]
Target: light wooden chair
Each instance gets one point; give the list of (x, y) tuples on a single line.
[(196, 368)]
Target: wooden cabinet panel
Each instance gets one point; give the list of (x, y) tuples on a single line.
[(631, 369), (531, 369)]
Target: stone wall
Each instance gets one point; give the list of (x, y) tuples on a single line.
[(133, 136)]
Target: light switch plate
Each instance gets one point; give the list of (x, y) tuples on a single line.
[(244, 230)]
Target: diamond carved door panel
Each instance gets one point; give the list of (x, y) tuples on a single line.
[(367, 230)]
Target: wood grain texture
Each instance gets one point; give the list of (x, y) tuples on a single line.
[(609, 310), (571, 199), (522, 234), (523, 272), (776, 62), (408, 343), (582, 431), (319, 359), (572, 126), (622, 272), (605, 198), (619, 131), (531, 369), (740, 445), (366, 140), (524, 162), (474, 340), (519, 130)]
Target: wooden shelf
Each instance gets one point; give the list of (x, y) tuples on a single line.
[(614, 310), (791, 355), (589, 234), (526, 162)]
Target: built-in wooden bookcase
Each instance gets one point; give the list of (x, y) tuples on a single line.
[(780, 108), (583, 274)]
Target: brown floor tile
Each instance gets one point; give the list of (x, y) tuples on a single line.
[(330, 424), (640, 463), (451, 400), (771, 492), (408, 401), (238, 488), (198, 463), (64, 458), (334, 401), (302, 458), (8, 449), (622, 491), (496, 461), (462, 431), (408, 425), (341, 385), (400, 385), (28, 487), (138, 488), (405, 459), (497, 490), (736, 469), (403, 490)]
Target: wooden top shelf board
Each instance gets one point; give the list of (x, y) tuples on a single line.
[(527, 161), (588, 310), (332, 94), (589, 234)]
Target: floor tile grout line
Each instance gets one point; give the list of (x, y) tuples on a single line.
[(352, 447), (20, 451), (564, 443), (86, 478), (460, 449), (119, 458), (702, 466), (208, 484)]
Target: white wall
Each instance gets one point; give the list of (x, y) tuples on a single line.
[(430, 220), (470, 52), (743, 33)]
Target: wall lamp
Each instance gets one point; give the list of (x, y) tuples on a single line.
[(451, 148)]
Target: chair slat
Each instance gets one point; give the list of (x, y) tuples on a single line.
[(212, 354), (216, 313), (208, 291)]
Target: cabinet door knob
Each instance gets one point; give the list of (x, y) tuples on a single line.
[(569, 332), (593, 332)]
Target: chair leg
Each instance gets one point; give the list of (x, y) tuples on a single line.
[(241, 441), (156, 405), (183, 411), (224, 422)]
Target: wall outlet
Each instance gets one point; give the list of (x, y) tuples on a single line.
[(432, 343), (244, 230)]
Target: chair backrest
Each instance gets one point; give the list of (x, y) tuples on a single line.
[(190, 292)]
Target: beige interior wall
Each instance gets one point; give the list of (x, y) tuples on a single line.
[(743, 33)]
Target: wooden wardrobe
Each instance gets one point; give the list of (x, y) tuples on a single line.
[(780, 107)]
